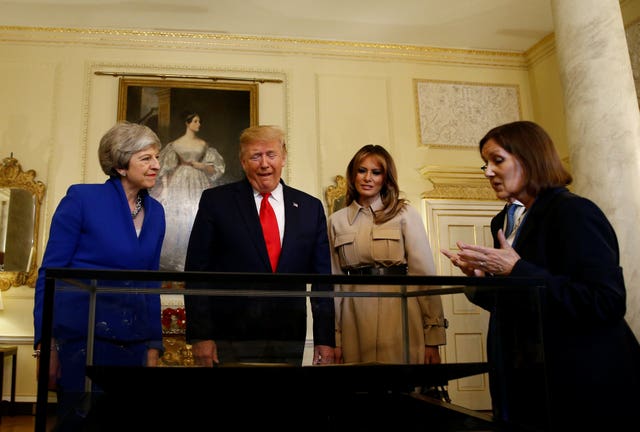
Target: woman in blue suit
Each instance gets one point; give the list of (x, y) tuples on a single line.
[(115, 225), (591, 357)]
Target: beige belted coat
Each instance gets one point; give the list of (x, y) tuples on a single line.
[(369, 329)]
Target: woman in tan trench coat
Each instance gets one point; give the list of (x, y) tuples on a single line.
[(379, 233)]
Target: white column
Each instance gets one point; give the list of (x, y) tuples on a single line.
[(603, 123)]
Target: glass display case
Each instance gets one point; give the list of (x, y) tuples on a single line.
[(112, 308)]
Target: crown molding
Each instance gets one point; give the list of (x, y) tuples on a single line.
[(130, 38)]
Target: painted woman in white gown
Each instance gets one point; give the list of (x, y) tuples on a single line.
[(189, 165)]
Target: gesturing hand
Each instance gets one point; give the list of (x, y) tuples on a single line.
[(476, 260)]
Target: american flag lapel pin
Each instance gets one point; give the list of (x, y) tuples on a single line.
[(295, 204)]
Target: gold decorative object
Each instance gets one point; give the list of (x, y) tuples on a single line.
[(176, 352), (336, 194), (457, 183), (14, 179)]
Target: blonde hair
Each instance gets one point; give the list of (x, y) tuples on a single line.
[(262, 133)]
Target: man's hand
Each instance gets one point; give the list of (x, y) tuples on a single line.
[(205, 353), (323, 354)]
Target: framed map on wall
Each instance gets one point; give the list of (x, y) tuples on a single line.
[(457, 114)]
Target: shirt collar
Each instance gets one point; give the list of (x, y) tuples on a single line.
[(355, 209), (277, 193)]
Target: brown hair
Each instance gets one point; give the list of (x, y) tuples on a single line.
[(390, 192), (534, 148), (188, 116)]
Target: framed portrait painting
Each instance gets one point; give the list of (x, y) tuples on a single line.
[(224, 109), (199, 124)]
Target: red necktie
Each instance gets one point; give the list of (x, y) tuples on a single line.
[(270, 230)]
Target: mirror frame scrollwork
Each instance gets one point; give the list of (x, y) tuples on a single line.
[(335, 195), (12, 176)]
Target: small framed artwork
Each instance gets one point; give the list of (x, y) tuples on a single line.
[(458, 114)]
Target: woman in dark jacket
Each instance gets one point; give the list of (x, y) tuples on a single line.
[(576, 368)]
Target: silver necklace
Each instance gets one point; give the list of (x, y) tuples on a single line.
[(136, 210)]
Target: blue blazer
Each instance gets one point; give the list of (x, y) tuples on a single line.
[(227, 237), (591, 355), (92, 228)]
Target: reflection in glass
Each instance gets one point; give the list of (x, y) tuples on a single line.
[(4, 216), (16, 228)]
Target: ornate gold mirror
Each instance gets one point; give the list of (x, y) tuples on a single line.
[(20, 201), (336, 195)]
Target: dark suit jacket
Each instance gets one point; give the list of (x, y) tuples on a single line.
[(590, 353), (227, 237)]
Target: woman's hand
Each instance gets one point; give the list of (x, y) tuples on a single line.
[(207, 168), (476, 260), (466, 267), (431, 355), (337, 355), (153, 355), (54, 366)]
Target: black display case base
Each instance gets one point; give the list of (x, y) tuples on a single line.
[(314, 398)]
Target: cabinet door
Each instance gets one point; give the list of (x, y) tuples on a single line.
[(447, 222)]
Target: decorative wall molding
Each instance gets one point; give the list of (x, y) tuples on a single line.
[(457, 183), (16, 340), (238, 43), (540, 51)]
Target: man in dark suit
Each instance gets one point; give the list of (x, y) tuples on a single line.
[(227, 237)]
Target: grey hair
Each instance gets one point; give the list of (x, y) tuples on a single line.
[(120, 142)]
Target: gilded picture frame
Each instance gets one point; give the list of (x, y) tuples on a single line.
[(225, 109)]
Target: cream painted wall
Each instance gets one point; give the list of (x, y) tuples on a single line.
[(547, 96), (335, 97)]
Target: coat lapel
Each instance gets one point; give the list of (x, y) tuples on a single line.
[(290, 216)]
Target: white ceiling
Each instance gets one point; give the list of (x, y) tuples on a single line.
[(504, 25)]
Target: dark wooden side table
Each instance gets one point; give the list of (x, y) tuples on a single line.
[(8, 350)]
